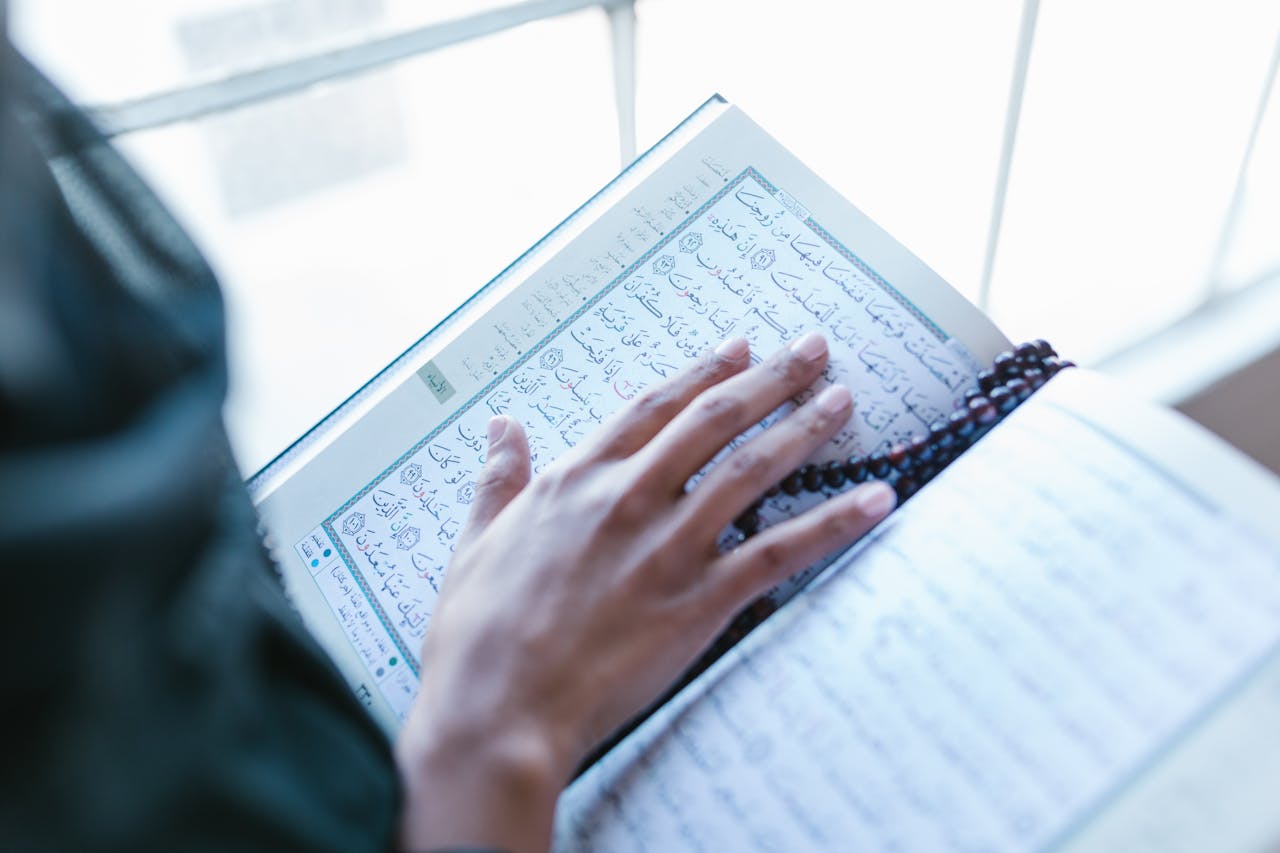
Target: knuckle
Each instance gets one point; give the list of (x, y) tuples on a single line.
[(490, 484), (652, 402), (772, 559), (749, 465), (629, 507), (720, 411), (548, 485), (539, 491), (495, 474)]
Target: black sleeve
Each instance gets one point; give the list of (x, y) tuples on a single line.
[(159, 691)]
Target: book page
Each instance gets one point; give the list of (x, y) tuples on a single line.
[(1214, 790), (731, 237), (1016, 648)]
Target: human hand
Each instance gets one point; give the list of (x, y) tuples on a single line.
[(573, 601)]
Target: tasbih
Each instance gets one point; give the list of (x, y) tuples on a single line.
[(1014, 376)]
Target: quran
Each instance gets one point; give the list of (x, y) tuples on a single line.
[(1068, 637)]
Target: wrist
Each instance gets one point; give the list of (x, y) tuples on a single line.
[(469, 785)]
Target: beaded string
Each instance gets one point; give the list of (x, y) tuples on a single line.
[(907, 466), (1013, 376)]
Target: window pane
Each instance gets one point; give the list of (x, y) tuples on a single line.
[(1253, 247), (900, 106), (1135, 120), (346, 221), (127, 48)]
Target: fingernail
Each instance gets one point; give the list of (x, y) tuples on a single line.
[(834, 399), (811, 347), (497, 427), (733, 349), (874, 499)]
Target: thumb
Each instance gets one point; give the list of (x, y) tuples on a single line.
[(505, 474)]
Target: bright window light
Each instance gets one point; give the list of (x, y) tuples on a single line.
[(347, 218)]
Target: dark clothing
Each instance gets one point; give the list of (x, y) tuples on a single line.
[(159, 692)]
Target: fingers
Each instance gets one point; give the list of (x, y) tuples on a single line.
[(641, 420), (506, 472), (695, 435), (736, 481), (784, 549)]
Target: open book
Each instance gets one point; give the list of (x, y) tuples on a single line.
[(1076, 624)]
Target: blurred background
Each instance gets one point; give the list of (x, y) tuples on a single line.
[(1101, 173)]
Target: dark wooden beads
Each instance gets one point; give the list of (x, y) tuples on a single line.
[(947, 455), (1027, 354), (855, 470), (940, 435), (878, 465), (1004, 400), (906, 487), (908, 465), (961, 424), (811, 478), (920, 449), (898, 458), (983, 410), (1006, 366), (1054, 365)]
